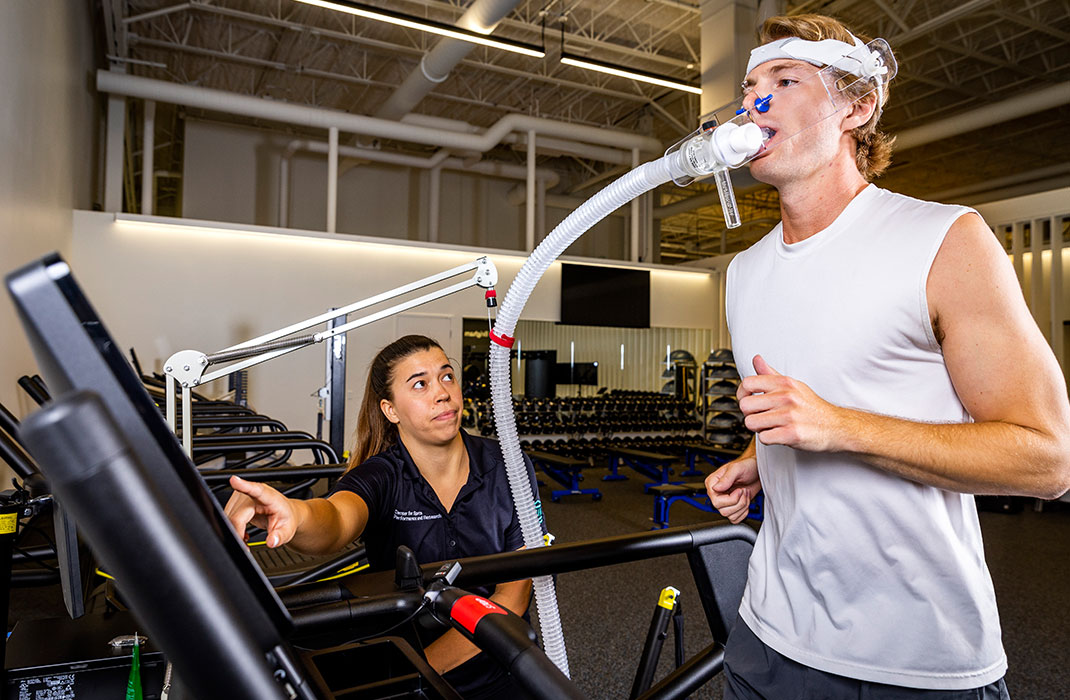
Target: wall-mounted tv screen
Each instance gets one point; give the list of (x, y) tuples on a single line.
[(592, 295), (585, 373)]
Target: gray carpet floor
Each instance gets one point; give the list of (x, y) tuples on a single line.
[(606, 612)]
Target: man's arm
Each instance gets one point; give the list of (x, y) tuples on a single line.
[(1003, 372), (451, 649)]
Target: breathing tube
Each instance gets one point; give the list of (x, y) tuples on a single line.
[(675, 164), (712, 150)]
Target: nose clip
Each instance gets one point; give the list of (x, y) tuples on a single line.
[(761, 104)]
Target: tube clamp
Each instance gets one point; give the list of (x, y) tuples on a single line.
[(504, 340)]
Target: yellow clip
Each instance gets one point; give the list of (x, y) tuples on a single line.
[(668, 597), (548, 539), (9, 522)]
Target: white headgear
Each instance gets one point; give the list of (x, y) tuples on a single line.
[(857, 60)]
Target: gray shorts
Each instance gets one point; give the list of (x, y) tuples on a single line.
[(753, 671)]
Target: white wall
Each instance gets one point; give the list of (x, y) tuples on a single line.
[(164, 288), (1037, 213), (643, 357), (48, 121), (231, 173), (1026, 207)]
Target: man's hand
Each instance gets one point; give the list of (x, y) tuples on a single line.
[(732, 487), (784, 411), (262, 506)]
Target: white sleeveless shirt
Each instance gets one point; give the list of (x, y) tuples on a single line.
[(856, 571)]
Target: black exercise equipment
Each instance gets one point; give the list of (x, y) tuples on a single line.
[(224, 601), (33, 389), (212, 612), (665, 611), (225, 630)]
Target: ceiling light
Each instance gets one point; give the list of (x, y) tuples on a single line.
[(642, 76), (426, 25)]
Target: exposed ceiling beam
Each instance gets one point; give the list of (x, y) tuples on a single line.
[(296, 69), (1021, 105), (1032, 24), (573, 39), (1059, 171), (960, 11)]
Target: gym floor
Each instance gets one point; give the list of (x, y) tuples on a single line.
[(606, 612)]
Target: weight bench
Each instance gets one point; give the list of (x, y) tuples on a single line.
[(693, 493), (567, 471), (655, 466), (714, 456)]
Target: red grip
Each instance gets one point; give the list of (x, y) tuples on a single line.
[(470, 609)]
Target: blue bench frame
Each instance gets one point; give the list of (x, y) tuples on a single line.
[(663, 503), (714, 456), (566, 471), (656, 467)]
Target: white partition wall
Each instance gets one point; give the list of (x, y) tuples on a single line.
[(628, 358), (164, 285), (1035, 231)]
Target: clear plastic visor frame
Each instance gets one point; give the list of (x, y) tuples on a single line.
[(865, 71)]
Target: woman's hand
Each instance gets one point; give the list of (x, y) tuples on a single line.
[(264, 507)]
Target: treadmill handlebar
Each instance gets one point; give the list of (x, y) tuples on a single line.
[(505, 637)]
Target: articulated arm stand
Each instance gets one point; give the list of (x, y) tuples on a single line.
[(188, 367)]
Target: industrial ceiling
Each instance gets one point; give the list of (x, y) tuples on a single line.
[(955, 58)]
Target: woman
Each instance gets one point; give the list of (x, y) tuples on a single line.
[(415, 479)]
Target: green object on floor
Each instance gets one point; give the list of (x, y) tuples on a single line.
[(133, 684)]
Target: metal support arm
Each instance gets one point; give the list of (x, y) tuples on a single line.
[(187, 368)]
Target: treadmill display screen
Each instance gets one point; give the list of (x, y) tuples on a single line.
[(75, 352)]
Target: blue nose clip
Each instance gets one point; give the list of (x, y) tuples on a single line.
[(761, 104)]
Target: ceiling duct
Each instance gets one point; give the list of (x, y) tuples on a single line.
[(317, 117), (436, 64)]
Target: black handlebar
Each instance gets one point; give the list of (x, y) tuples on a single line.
[(506, 638)]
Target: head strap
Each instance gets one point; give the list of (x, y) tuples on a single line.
[(854, 59)]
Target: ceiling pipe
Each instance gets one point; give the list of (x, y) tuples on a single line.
[(1057, 175), (316, 117), (491, 168), (435, 66), (1019, 106), (547, 145), (518, 197), (441, 123)]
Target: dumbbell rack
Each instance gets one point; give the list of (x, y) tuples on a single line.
[(722, 421)]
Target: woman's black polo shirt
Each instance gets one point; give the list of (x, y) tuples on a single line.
[(403, 509)]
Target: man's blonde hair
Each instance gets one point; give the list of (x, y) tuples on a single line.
[(873, 153)]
